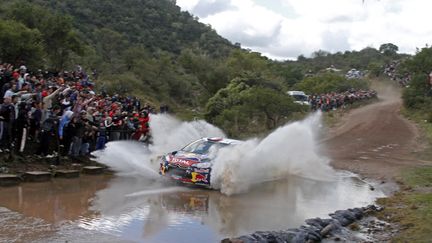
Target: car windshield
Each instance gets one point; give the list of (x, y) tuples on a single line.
[(203, 147), (300, 97)]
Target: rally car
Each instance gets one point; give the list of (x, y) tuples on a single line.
[(193, 163)]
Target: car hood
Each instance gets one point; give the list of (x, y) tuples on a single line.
[(185, 159)]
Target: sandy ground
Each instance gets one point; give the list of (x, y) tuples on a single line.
[(375, 141)]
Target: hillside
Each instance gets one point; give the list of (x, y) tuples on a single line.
[(155, 24), (153, 50)]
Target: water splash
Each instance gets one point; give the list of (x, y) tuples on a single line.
[(130, 158), (290, 150)]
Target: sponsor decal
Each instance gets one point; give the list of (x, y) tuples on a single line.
[(182, 162), (162, 169), (197, 177), (202, 170)]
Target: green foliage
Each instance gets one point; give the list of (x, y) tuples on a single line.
[(20, 44), (418, 177), (345, 61), (250, 105), (375, 68), (59, 38), (411, 208), (290, 73), (421, 63), (240, 63), (389, 49), (329, 82), (419, 94), (154, 50), (166, 52)]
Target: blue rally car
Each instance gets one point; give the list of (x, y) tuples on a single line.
[(193, 163)]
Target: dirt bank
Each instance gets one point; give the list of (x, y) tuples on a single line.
[(375, 141)]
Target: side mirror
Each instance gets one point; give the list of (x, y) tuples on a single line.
[(174, 153)]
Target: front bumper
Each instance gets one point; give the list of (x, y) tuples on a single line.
[(189, 175)]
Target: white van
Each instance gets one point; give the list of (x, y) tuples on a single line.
[(300, 97)]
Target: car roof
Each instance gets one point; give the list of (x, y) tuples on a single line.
[(296, 92), (222, 140)]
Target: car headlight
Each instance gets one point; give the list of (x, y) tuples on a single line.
[(203, 165)]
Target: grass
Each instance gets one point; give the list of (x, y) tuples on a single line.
[(411, 207)]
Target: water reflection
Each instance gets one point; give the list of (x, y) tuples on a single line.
[(54, 201), (138, 209)]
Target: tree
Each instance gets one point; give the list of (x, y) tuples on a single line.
[(250, 105), (417, 95), (320, 53), (241, 62), (59, 38), (19, 44), (329, 82), (421, 63), (110, 44), (389, 49), (272, 104)]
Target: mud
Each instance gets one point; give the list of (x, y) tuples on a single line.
[(375, 141), (120, 209)]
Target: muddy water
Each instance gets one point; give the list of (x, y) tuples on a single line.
[(122, 209)]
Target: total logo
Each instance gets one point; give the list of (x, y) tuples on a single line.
[(181, 162)]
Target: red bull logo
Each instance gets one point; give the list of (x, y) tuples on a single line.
[(197, 177)]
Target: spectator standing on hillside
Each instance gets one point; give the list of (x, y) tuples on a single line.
[(7, 117), (64, 131), (21, 127), (35, 120), (47, 133)]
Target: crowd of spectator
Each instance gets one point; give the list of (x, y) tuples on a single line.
[(61, 113), (391, 71), (333, 101)]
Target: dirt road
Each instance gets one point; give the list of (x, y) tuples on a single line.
[(375, 141)]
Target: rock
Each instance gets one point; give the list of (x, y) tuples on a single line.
[(327, 230), (300, 237), (317, 222), (315, 230), (358, 213), (67, 173), (314, 236), (37, 176), (9, 180), (92, 170), (344, 217)]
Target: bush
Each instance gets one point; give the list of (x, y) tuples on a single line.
[(329, 82)]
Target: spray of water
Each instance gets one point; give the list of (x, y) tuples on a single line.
[(169, 134), (290, 150)]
